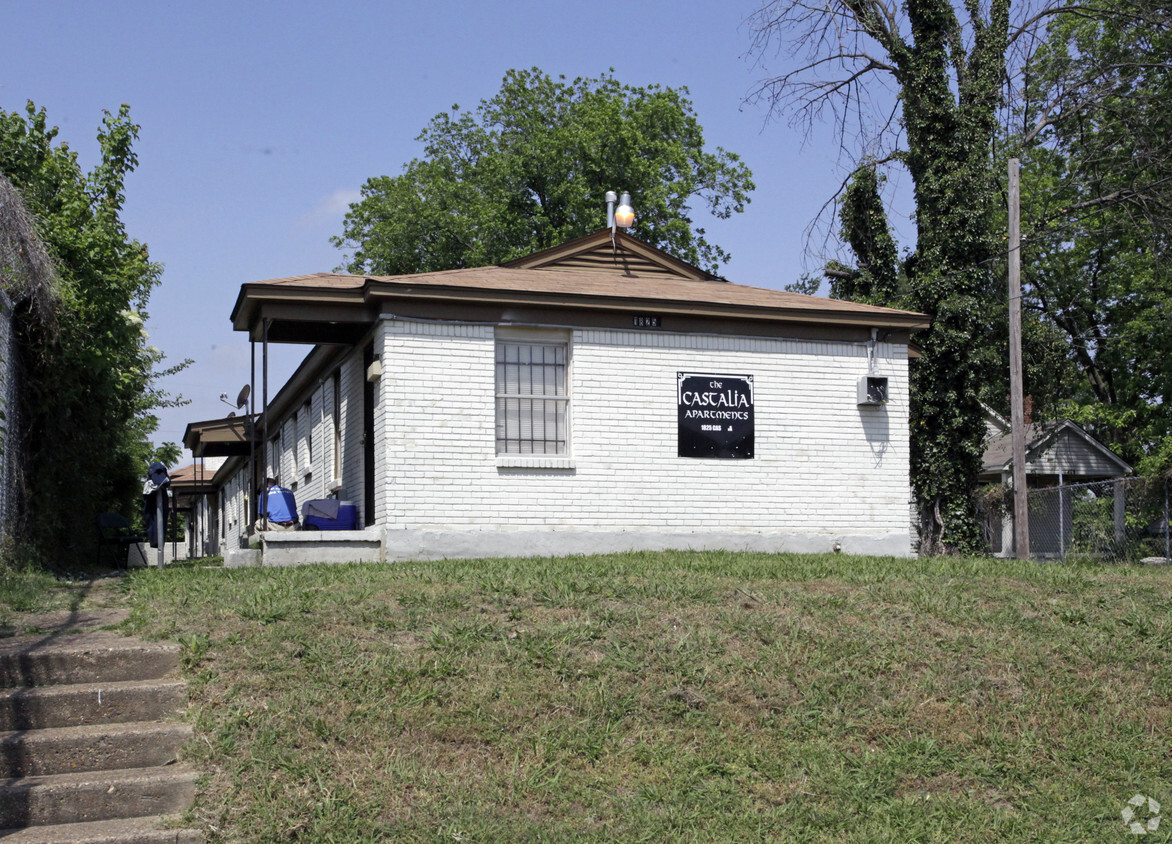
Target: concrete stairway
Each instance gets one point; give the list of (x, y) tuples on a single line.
[(84, 745)]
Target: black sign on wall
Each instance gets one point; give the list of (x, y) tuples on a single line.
[(716, 415)]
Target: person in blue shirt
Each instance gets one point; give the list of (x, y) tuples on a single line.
[(278, 508)]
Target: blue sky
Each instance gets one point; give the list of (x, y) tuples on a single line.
[(260, 121)]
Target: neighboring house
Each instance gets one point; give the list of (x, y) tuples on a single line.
[(195, 498), (598, 396), (1057, 454)]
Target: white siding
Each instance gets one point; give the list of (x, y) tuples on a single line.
[(1074, 457), (353, 379), (234, 522), (287, 454)]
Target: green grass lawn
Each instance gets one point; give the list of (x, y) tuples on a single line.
[(673, 697)]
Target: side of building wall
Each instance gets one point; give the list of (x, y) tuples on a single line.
[(306, 457), (353, 487), (826, 473), (233, 503)]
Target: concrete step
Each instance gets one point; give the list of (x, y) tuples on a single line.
[(95, 796), (119, 831), (103, 747), (90, 703), (91, 658)]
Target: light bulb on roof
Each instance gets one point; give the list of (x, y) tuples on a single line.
[(624, 215)]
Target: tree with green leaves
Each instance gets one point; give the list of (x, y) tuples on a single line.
[(89, 385), (876, 277), (1094, 133), (528, 169)]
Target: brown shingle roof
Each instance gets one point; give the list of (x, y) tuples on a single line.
[(506, 282), (590, 273)]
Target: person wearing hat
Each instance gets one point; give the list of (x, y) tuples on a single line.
[(278, 508)]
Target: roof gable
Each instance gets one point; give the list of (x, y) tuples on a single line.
[(617, 252), (1053, 447), (995, 423)]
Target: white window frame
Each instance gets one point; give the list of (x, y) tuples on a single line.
[(540, 447)]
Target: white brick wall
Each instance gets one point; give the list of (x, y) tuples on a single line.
[(439, 449), (823, 465)]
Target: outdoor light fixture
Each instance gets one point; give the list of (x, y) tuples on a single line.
[(624, 215)]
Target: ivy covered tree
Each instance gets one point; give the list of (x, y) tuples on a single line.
[(924, 78), (89, 385), (877, 277), (529, 168)]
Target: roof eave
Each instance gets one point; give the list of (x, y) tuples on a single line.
[(218, 437), (257, 297), (881, 318)]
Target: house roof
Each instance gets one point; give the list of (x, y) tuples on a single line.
[(193, 479), (1093, 459), (591, 274)]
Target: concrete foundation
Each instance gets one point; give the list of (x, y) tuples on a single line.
[(239, 558), (373, 544), (296, 548), (404, 545)]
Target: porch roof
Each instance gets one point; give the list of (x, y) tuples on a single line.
[(231, 436)]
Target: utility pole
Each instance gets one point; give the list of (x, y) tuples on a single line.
[(1021, 519)]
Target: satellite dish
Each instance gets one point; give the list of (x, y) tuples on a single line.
[(242, 398), (231, 413)]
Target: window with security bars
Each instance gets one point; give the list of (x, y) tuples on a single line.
[(531, 399)]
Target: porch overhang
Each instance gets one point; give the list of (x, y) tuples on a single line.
[(232, 436), (302, 314)]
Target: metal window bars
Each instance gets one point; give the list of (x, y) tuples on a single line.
[(531, 399)]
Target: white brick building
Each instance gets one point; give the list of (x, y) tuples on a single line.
[(542, 407)]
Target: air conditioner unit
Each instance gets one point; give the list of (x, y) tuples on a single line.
[(872, 390)]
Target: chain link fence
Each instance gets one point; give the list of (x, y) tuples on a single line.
[(1115, 521)]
